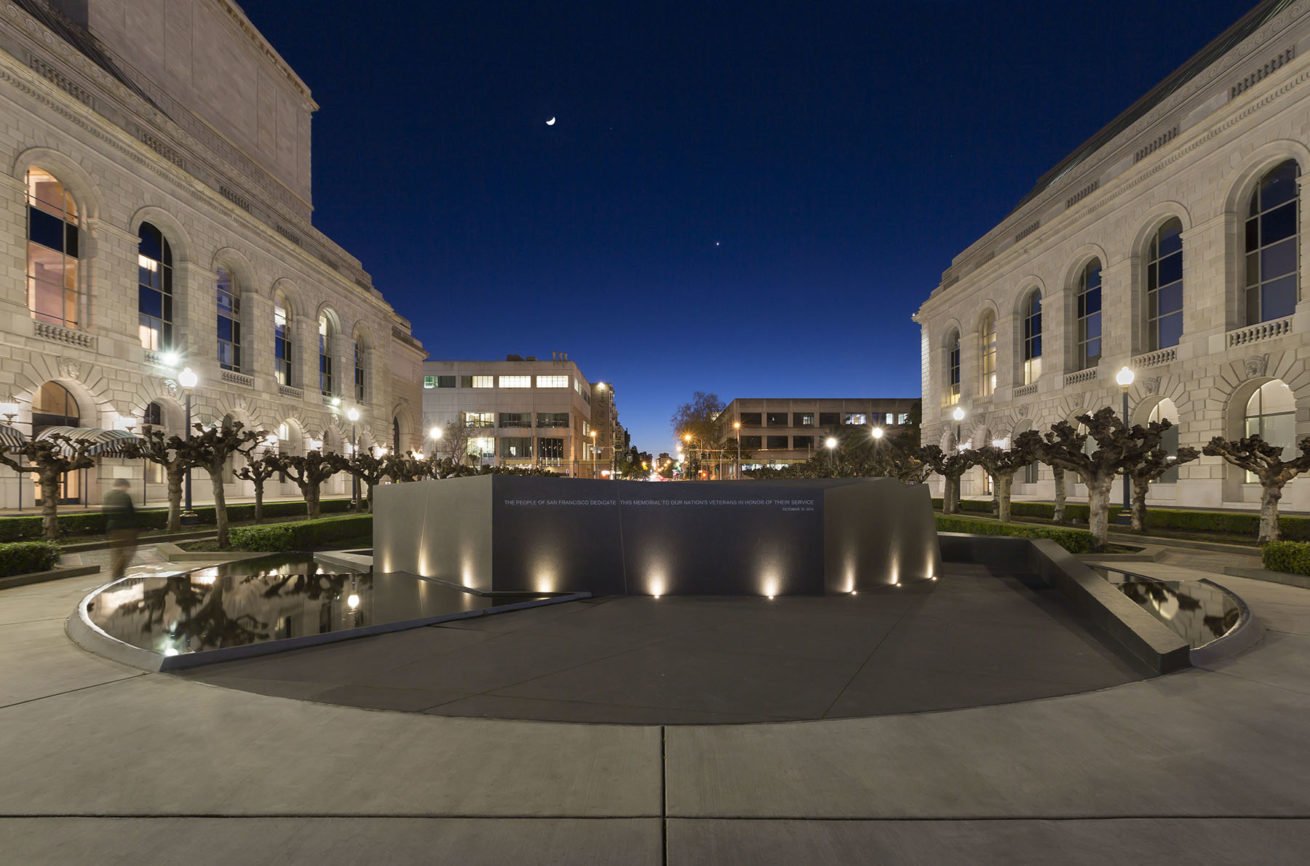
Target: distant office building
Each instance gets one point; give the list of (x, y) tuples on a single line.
[(782, 431), (517, 412)]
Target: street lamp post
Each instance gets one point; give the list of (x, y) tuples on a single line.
[(736, 473), (1124, 378), (593, 453), (958, 415), (352, 414), (831, 444), (187, 380)]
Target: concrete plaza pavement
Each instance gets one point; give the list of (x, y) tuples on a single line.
[(105, 764)]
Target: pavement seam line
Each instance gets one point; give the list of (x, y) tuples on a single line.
[(78, 689)]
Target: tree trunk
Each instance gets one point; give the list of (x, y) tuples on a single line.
[(1058, 516), (49, 504), (174, 474), (220, 505), (368, 503), (1140, 489), (951, 495), (1269, 497), (259, 499), (311, 501), (1002, 485), (1098, 510)]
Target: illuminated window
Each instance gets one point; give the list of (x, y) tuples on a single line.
[(429, 382), (550, 452), (1165, 410), (987, 354), (803, 419), (516, 448), (228, 295), (515, 382), (325, 335), (481, 447), (52, 251), (154, 290), (1271, 415), (479, 419), (360, 372), (903, 418), (1087, 311), (552, 381), (1032, 338), (283, 359), (856, 420), (953, 368), (1272, 257), (482, 381), (1164, 287)]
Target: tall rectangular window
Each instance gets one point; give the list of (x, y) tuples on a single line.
[(550, 451), (52, 251), (987, 355), (359, 373), (1088, 312), (282, 368), (1164, 287), (953, 369), (154, 289), (1272, 245), (229, 320), (1032, 338)]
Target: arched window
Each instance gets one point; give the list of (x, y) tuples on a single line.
[(52, 251), (54, 406), (154, 289), (1272, 260), (395, 435), (283, 363), (325, 353), (1032, 338), (228, 294), (1164, 287), (153, 416), (953, 368), (1271, 414), (1165, 410), (1087, 310), (987, 354), (360, 372)]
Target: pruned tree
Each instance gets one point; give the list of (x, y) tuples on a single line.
[(49, 459), (1002, 464), (913, 464), (1118, 449), (309, 471), (369, 469), (951, 466), (212, 449), (170, 453), (258, 471), (1151, 466), (1253, 454), (406, 467)]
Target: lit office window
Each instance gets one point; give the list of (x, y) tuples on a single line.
[(515, 382), (483, 381), (154, 260), (52, 251), (552, 381)]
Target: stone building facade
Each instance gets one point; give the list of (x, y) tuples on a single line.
[(154, 215), (1173, 243)]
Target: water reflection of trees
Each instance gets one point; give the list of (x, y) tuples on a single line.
[(1200, 620), (195, 615)]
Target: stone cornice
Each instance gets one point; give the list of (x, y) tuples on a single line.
[(1093, 167), (1111, 195)]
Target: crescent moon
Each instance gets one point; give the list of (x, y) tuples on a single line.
[(550, 122)]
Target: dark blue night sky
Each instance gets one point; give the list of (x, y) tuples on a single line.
[(838, 153)]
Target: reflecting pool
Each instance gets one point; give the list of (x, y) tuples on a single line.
[(1198, 612), (268, 599)]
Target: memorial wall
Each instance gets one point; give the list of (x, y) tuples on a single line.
[(509, 534)]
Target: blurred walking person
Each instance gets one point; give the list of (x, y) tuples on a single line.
[(120, 521)]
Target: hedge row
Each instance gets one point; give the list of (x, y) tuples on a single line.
[(1292, 557), (25, 557), (1237, 523), (1072, 540), (93, 522), (301, 534)]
